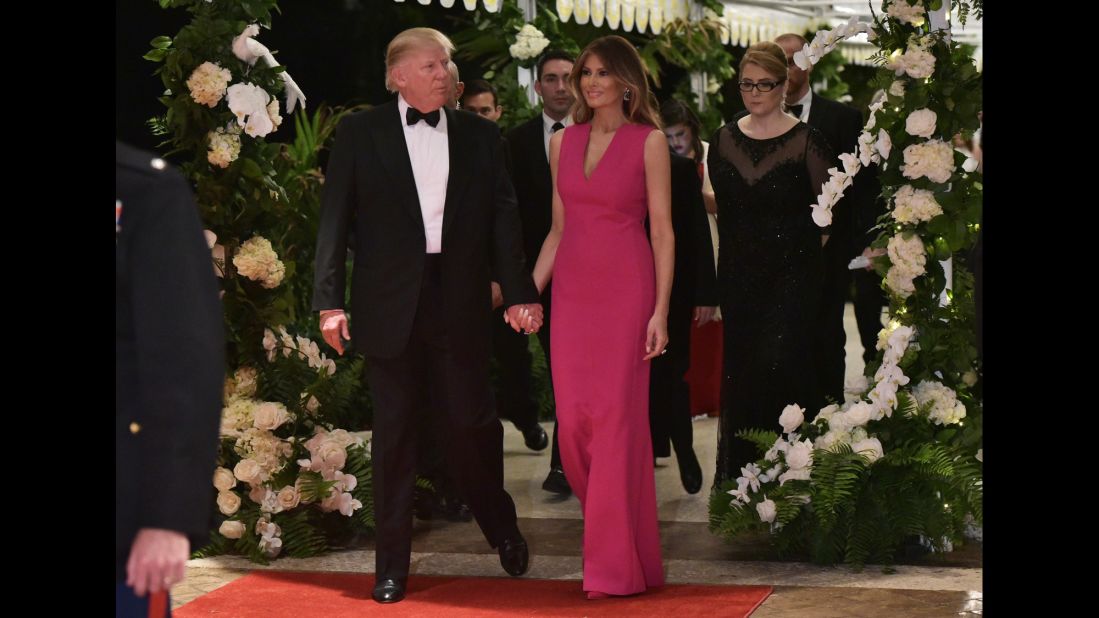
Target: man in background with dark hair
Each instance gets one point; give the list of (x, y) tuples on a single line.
[(479, 97), (529, 144)]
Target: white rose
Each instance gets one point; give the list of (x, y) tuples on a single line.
[(330, 455), (802, 474), (870, 447), (231, 529), (288, 497), (826, 413), (248, 470), (257, 493), (791, 418), (858, 414), (766, 510), (228, 502), (224, 479), (270, 416), (921, 123), (800, 455), (897, 88)]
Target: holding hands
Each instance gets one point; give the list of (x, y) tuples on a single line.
[(527, 318)]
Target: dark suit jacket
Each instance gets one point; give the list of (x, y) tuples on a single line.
[(841, 126), (694, 283), (169, 357), (370, 187), (533, 185)]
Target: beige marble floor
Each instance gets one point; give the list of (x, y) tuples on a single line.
[(949, 585)]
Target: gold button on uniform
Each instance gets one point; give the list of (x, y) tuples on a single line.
[(134, 428)]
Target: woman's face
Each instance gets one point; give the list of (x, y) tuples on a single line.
[(598, 87), (681, 139), (757, 102)]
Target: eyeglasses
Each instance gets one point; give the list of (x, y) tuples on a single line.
[(762, 86)]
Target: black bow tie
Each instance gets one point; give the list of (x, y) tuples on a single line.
[(796, 110), (413, 115), (557, 126)]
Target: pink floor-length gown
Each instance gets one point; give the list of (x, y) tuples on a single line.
[(603, 298)]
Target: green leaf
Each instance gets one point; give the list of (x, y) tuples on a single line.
[(161, 42), (156, 55), (251, 169)]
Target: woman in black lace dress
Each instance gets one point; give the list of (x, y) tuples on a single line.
[(767, 168)]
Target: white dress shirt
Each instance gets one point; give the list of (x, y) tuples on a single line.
[(547, 128), (805, 102), (429, 152)]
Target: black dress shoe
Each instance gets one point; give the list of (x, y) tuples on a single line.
[(689, 471), (514, 556), (535, 437), (389, 590), (556, 482)]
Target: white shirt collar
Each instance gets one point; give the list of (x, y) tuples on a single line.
[(547, 122)]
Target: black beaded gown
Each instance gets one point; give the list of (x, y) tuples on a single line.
[(769, 275)]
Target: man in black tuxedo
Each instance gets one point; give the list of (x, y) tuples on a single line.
[(529, 143), (169, 372), (434, 217), (841, 126), (514, 400), (694, 296)]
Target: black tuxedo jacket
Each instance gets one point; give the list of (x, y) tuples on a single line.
[(695, 284), (533, 184), (370, 188), (841, 126)]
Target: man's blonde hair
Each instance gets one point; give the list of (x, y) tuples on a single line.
[(412, 39)]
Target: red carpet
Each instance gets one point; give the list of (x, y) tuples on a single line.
[(270, 594)]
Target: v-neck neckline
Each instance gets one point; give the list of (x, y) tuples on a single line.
[(587, 145)]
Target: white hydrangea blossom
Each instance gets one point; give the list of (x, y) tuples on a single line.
[(223, 146), (911, 205), (529, 42), (945, 407), (258, 261), (933, 158), (207, 83), (901, 10)]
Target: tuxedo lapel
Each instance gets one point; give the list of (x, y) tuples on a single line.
[(393, 153), (457, 137)]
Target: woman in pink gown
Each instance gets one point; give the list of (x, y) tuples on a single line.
[(611, 287)]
